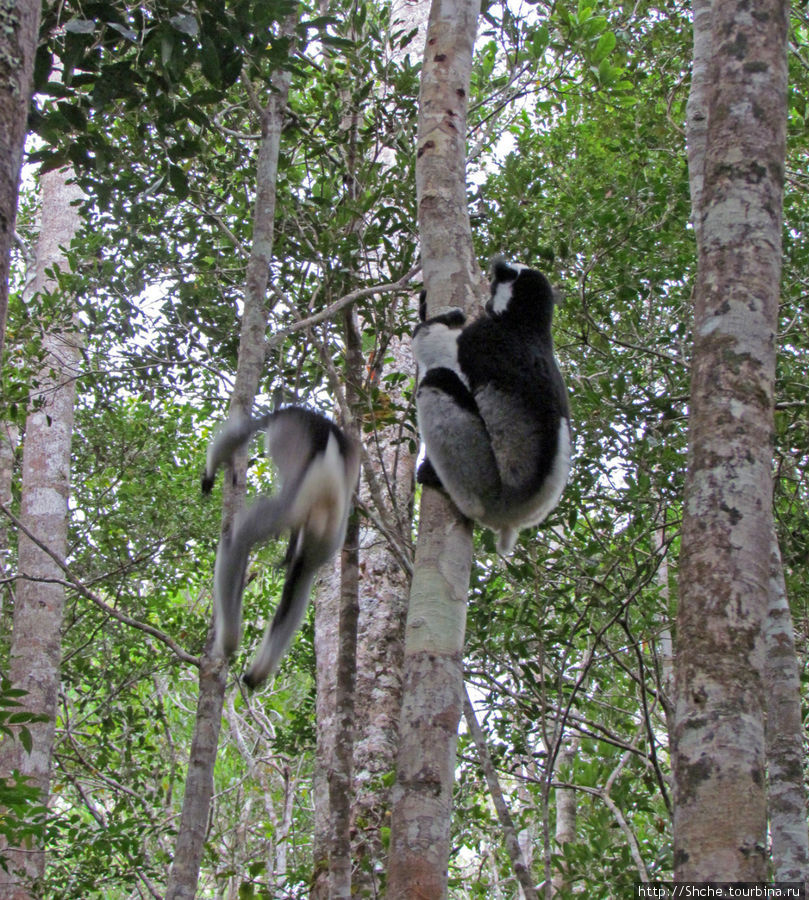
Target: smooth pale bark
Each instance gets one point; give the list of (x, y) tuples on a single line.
[(184, 873), (19, 29), (565, 830), (36, 643), (718, 742), (434, 637), (785, 738), (696, 115)]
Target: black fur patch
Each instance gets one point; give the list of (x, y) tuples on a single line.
[(447, 381), (427, 475), (293, 575)]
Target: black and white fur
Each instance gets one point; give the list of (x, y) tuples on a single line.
[(318, 466), (492, 406)]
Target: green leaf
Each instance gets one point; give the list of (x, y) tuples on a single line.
[(179, 181), (605, 46), (185, 23), (80, 26)]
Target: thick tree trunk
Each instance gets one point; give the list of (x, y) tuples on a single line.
[(433, 666), (184, 874), (785, 738), (36, 645), (718, 750), (19, 29)]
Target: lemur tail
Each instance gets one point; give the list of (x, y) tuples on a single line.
[(285, 623), (232, 435)]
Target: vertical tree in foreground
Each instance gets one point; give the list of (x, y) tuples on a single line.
[(184, 873), (36, 643), (786, 793), (433, 667), (19, 27), (718, 743)]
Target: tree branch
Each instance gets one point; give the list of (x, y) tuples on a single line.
[(73, 581)]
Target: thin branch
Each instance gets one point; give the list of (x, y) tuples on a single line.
[(73, 581), (506, 822), (335, 307)]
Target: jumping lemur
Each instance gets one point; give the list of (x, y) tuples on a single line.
[(319, 467)]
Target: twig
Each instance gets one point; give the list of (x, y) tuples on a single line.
[(75, 582)]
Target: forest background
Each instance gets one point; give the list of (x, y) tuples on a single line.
[(576, 164)]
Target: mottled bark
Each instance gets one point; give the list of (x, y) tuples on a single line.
[(36, 644), (433, 667), (19, 27), (785, 738), (718, 747), (384, 589), (327, 633), (342, 768), (184, 872), (696, 118)]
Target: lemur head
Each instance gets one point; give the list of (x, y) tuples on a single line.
[(520, 294)]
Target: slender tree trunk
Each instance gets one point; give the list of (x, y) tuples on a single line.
[(327, 640), (384, 590), (341, 770), (9, 439), (565, 832), (184, 874), (341, 773), (433, 667), (785, 738), (696, 116), (718, 749), (510, 836), (19, 29), (36, 645)]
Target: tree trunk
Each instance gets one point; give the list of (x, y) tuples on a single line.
[(18, 43), (565, 832), (718, 749), (510, 836), (785, 739), (341, 770), (327, 634), (36, 644), (433, 666), (184, 874), (384, 589)]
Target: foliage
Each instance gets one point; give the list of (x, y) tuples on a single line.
[(22, 815), (578, 165)]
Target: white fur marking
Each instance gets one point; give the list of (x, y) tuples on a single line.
[(436, 346), (501, 296)]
